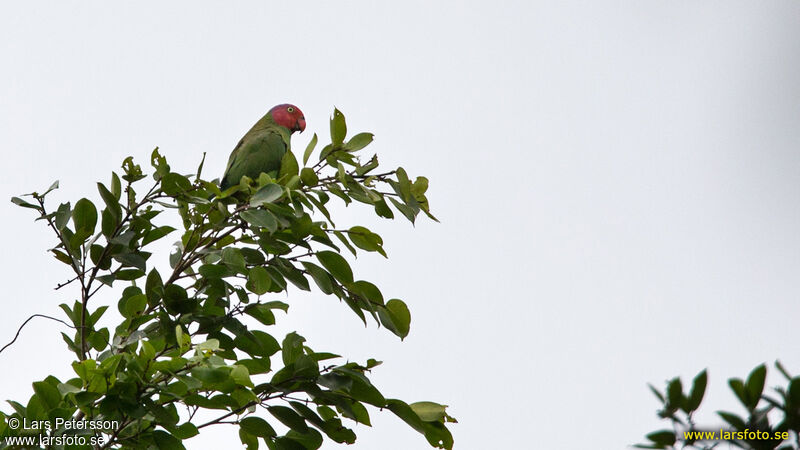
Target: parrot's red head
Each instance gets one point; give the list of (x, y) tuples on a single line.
[(289, 116)]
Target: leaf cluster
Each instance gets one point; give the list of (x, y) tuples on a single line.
[(767, 414)]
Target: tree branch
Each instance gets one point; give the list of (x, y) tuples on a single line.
[(19, 330)]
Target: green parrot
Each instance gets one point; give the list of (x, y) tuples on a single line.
[(262, 148)]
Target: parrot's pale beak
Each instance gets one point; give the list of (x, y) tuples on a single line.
[(300, 125)]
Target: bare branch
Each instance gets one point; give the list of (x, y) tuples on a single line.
[(19, 330)]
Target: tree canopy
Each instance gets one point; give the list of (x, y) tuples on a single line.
[(197, 336)]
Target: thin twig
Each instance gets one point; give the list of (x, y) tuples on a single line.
[(26, 322)]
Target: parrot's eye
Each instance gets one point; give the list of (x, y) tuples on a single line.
[(290, 109)]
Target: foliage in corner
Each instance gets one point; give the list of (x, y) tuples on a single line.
[(196, 337), (772, 420)]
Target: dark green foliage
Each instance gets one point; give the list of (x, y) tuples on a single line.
[(772, 421), (196, 335)]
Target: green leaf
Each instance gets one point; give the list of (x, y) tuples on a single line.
[(84, 216), (209, 345), (292, 348), (156, 234), (48, 394), (220, 401), (267, 194), (289, 165), (338, 128), (339, 235), (61, 256), (288, 417), (293, 274), (62, 216), (308, 414), (309, 149), (124, 238), (419, 187), (368, 291), (662, 437), (95, 316), (734, 420), (309, 177), (167, 416), (793, 394), (148, 352), (783, 370), (655, 392), (99, 339), (257, 427), (253, 256), (186, 430), (214, 271), (174, 183), (360, 387), (261, 313), (250, 442), (20, 202), (52, 187), (333, 429), (166, 441), (737, 386), (132, 306), (336, 265), (128, 274), (366, 240), (358, 142), (335, 190), (108, 280), (368, 167), (407, 211), (404, 184), (211, 375), (258, 280), (233, 258), (383, 210), (154, 287), (396, 317), (341, 174), (159, 163), (66, 388), (438, 435), (98, 251), (285, 443), (260, 218), (697, 392), (429, 411), (366, 392), (177, 300), (133, 172), (403, 411), (131, 260), (321, 277), (674, 393), (116, 185), (257, 343), (108, 224), (755, 385), (111, 201), (241, 375), (277, 305), (310, 440), (200, 167)]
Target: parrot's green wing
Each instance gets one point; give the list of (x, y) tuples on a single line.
[(258, 151)]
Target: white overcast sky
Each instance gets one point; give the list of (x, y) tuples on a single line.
[(618, 185)]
